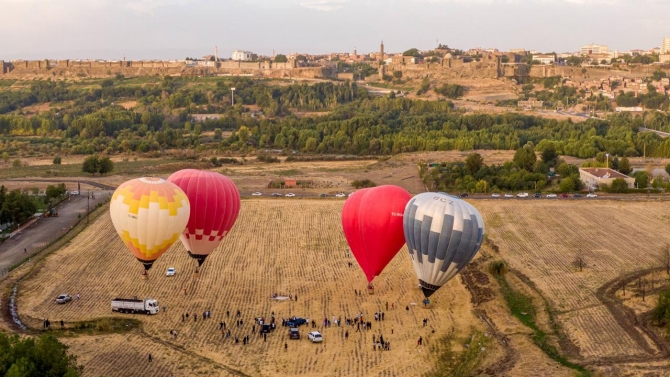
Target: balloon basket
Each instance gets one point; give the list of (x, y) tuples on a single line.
[(426, 304), (371, 291), (196, 275), (145, 277)]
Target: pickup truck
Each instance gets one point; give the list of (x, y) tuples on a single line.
[(124, 305), (295, 322)]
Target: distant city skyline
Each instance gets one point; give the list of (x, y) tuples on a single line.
[(174, 29)]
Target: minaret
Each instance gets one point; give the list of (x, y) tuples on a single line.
[(355, 52), (381, 52), (216, 54)]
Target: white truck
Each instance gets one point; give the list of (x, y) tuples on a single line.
[(128, 305)]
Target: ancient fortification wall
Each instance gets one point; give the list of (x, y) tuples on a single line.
[(90, 68)]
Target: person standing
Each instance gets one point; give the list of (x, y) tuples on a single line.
[(150, 358), (346, 334)]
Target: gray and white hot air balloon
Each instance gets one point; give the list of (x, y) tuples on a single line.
[(443, 234)]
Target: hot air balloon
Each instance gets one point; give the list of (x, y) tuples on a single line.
[(215, 204), (149, 214), (373, 226), (443, 234)]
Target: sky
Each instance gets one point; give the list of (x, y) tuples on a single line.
[(175, 29)]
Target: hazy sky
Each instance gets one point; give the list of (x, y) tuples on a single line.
[(174, 29)]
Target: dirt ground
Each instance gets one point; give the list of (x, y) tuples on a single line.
[(542, 238), (264, 254)]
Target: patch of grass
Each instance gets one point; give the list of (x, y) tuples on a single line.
[(288, 173), (6, 83), (522, 308), (107, 325), (452, 363)]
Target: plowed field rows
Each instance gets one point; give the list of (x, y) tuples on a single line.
[(285, 247), (541, 239)]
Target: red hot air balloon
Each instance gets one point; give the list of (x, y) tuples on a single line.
[(372, 220), (215, 204)]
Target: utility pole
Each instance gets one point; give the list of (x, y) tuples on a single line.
[(88, 205), (232, 94)]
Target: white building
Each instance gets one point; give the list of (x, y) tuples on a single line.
[(665, 46), (545, 59), (242, 55), (593, 49)]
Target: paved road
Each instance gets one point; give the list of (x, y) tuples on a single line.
[(43, 230)]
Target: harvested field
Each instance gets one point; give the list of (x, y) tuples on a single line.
[(541, 239), (279, 247)]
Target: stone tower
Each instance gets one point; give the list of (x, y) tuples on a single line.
[(381, 52)]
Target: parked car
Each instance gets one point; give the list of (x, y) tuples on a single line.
[(322, 195), (315, 337), (522, 195), (340, 195), (591, 195), (295, 322), (565, 195), (170, 271), (495, 195), (463, 195), (267, 328), (294, 333), (76, 192), (509, 195), (256, 194), (290, 195), (577, 195), (276, 194), (64, 298), (537, 195), (552, 196)]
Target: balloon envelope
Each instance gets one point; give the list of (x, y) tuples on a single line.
[(215, 205), (149, 214), (373, 226), (443, 234)]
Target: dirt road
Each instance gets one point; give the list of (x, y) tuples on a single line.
[(32, 238)]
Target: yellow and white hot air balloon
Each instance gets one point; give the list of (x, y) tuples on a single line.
[(149, 214)]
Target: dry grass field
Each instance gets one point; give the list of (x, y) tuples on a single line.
[(283, 247), (542, 238)]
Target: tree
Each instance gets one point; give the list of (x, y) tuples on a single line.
[(619, 185), (281, 58), (412, 52), (567, 185), (641, 179), (667, 168), (624, 166), (397, 74), (363, 183), (5, 157), (57, 160), (16, 163), (525, 158), (615, 163), (549, 154), (105, 165), (43, 356), (54, 191), (473, 163), (90, 165)]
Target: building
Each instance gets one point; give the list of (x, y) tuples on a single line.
[(243, 55), (594, 177), (593, 49), (530, 104), (665, 46), (546, 59)]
